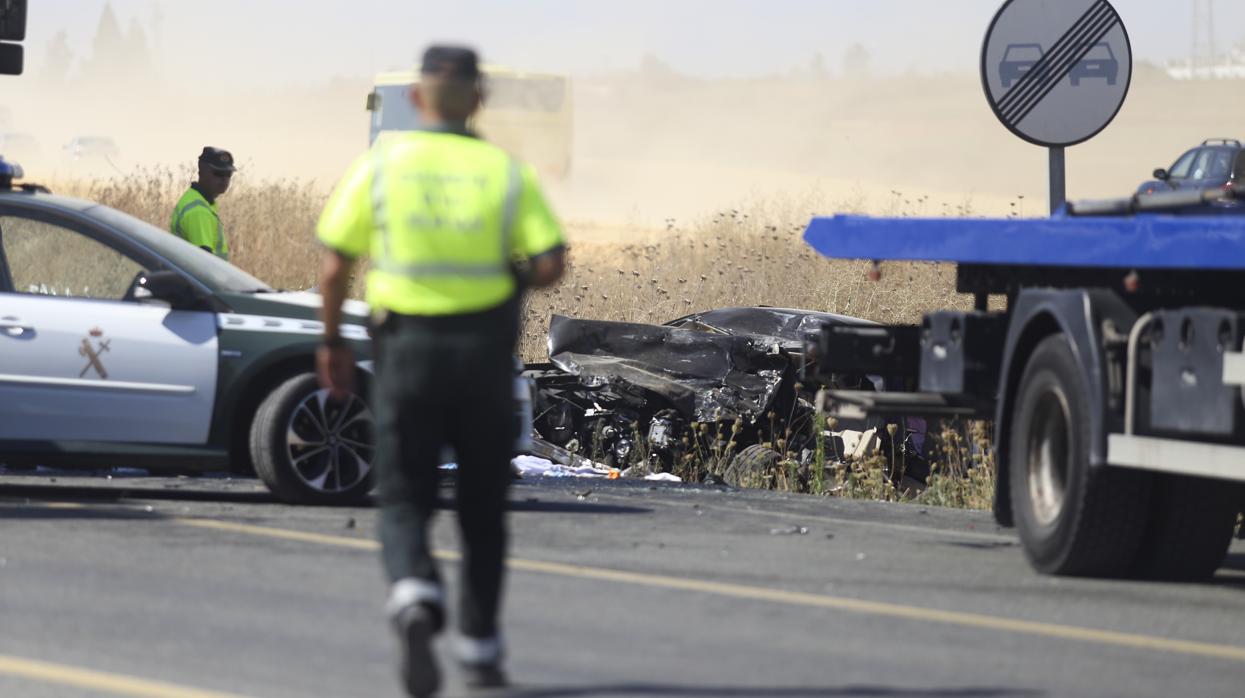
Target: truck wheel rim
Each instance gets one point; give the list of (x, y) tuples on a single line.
[(1049, 456), (330, 443)]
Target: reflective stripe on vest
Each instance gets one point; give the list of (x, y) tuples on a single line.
[(200, 204), (380, 214), (514, 187), (380, 219)]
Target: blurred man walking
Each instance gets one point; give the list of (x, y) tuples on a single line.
[(196, 218), (443, 216)]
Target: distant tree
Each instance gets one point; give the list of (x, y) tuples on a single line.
[(157, 27), (137, 50), (856, 61), (653, 67), (817, 69), (108, 49), (657, 73), (58, 60)]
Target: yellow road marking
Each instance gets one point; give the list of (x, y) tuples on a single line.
[(793, 598), (99, 681), (282, 533), (819, 518)]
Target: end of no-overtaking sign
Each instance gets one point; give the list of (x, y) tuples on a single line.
[(1056, 72)]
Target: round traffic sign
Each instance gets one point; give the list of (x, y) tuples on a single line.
[(1056, 72)]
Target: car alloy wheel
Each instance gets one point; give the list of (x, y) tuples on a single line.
[(330, 443)]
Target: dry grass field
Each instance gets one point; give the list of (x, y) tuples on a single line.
[(751, 255), (741, 256)]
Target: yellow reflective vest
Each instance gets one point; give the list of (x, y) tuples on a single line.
[(198, 222), (442, 215)]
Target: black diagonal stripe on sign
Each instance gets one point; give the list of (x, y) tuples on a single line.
[(1089, 45), (1060, 63), (1066, 61), (1018, 111), (1041, 70), (1043, 65)]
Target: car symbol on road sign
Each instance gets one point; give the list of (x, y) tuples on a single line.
[(1056, 73), (1018, 60), (1098, 63)]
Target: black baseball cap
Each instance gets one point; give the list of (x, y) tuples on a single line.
[(455, 62), (217, 159)]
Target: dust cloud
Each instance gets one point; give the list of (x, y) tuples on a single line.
[(649, 145)]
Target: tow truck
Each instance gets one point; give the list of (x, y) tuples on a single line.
[(1105, 344)]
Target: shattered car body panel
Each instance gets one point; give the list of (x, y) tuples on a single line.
[(709, 377), (714, 382), (784, 327)]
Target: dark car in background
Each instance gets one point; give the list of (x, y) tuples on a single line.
[(87, 147), (19, 146), (1216, 163)]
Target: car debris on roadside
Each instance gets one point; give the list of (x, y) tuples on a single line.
[(722, 386)]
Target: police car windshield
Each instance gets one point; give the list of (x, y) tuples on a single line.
[(212, 271)]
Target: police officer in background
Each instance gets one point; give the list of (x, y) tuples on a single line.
[(196, 218), (443, 216)]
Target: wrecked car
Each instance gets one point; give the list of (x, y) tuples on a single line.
[(718, 386)]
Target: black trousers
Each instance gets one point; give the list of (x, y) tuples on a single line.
[(447, 381)]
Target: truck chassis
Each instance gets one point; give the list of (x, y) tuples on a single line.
[(1113, 375)]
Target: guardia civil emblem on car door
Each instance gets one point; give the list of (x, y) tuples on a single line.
[(94, 346)]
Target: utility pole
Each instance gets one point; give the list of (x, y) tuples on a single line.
[(1194, 35), (1210, 34), (1203, 53)]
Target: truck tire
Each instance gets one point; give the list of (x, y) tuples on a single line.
[(1192, 520), (309, 450), (753, 467), (1072, 519)]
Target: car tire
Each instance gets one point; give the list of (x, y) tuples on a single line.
[(1072, 519), (310, 450), (754, 467), (1191, 523)]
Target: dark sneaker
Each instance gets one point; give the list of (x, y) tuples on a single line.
[(488, 675), (416, 626)]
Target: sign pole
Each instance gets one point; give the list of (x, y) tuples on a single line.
[(1056, 73), (1058, 179)]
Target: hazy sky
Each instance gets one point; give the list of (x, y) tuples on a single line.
[(306, 41)]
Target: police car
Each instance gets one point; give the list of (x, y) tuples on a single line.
[(123, 345)]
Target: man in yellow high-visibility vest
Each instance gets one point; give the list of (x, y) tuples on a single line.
[(444, 217), (196, 218)]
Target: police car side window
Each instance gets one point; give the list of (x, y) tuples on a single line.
[(47, 259)]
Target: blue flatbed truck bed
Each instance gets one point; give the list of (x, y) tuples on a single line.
[(1113, 376)]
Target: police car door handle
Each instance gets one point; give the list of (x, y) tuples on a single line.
[(13, 327)]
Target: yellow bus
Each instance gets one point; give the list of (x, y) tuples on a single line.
[(528, 114)]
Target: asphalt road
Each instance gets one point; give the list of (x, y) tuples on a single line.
[(208, 588)]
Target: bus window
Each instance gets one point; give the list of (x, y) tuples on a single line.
[(393, 110), (526, 114), (527, 94)]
